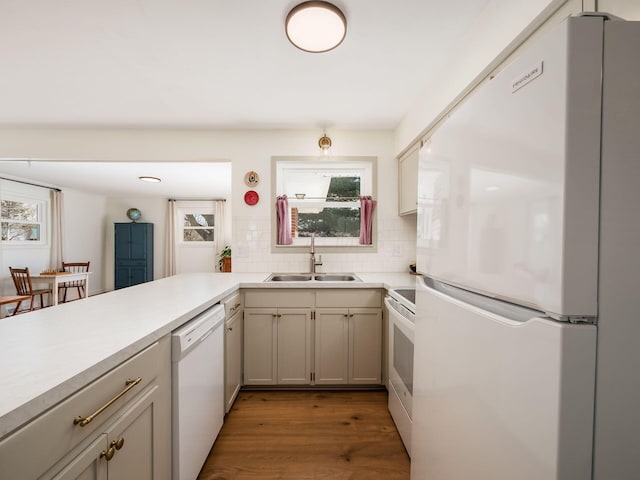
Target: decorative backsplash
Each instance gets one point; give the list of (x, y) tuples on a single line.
[(252, 249)]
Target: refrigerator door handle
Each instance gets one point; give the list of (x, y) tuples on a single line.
[(499, 309)]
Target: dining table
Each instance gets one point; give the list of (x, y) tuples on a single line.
[(55, 279)]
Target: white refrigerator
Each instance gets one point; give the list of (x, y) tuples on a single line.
[(527, 335)]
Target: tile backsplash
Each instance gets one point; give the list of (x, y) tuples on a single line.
[(252, 249)]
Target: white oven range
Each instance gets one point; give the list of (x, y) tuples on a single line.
[(401, 306)]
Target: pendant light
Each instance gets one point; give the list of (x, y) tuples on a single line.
[(316, 26)]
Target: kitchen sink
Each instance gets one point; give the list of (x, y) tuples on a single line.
[(289, 278), (343, 277), (306, 277)]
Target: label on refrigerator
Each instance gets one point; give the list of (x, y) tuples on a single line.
[(522, 80)]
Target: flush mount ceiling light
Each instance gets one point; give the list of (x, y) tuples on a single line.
[(325, 144), (150, 179), (316, 27)]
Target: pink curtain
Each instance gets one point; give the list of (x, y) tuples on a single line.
[(367, 205), (284, 228)]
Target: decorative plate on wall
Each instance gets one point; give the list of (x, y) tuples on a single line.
[(251, 197), (251, 179)]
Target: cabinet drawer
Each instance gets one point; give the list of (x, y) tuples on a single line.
[(34, 448), (279, 299), (352, 298), (232, 304)]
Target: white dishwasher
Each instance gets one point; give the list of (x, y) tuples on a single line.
[(197, 351)]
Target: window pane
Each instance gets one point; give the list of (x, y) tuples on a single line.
[(343, 189), (198, 220), (198, 235), (326, 222), (20, 231), (12, 210)]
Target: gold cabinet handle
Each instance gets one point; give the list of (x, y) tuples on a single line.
[(117, 443), (234, 308), (82, 421), (230, 329), (108, 453)]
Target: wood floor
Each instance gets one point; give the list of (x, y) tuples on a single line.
[(308, 435)]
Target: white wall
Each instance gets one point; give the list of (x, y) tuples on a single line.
[(84, 237), (247, 150)]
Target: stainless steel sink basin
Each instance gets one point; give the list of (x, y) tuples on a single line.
[(306, 277), (343, 277), (289, 278)]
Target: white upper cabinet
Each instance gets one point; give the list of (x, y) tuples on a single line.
[(408, 181)]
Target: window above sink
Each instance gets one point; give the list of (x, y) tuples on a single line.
[(323, 198)]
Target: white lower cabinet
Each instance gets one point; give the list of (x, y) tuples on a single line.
[(232, 348), (125, 450), (332, 346), (88, 465), (323, 337), (348, 346), (365, 346), (117, 427), (277, 346)]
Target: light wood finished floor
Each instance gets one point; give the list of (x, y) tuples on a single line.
[(308, 435)]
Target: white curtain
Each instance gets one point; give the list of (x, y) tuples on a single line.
[(57, 230), (220, 221), (172, 231)]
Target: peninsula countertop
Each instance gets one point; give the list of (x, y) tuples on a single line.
[(49, 354)]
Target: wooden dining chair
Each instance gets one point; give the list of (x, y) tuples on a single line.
[(22, 281), (80, 285)]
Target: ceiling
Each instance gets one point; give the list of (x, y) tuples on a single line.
[(212, 64), (184, 180)]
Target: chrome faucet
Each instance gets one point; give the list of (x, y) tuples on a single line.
[(314, 263)]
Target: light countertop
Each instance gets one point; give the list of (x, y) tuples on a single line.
[(48, 354)]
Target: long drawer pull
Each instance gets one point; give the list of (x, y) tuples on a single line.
[(82, 421)]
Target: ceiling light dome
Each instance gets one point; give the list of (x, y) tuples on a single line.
[(316, 27)]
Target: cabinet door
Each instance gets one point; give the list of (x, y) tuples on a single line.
[(142, 432), (122, 241), (294, 346), (365, 345), (233, 359), (89, 464), (127, 276), (332, 346), (141, 240), (260, 354), (408, 182)]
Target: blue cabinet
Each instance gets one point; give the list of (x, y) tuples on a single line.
[(133, 254)]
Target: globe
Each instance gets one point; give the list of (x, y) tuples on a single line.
[(134, 214)]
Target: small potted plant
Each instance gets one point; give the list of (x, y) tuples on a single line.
[(225, 259)]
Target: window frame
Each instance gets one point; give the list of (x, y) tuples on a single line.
[(44, 208), (368, 186), (192, 209)]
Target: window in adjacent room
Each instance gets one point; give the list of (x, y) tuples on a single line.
[(198, 227), (22, 220)]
